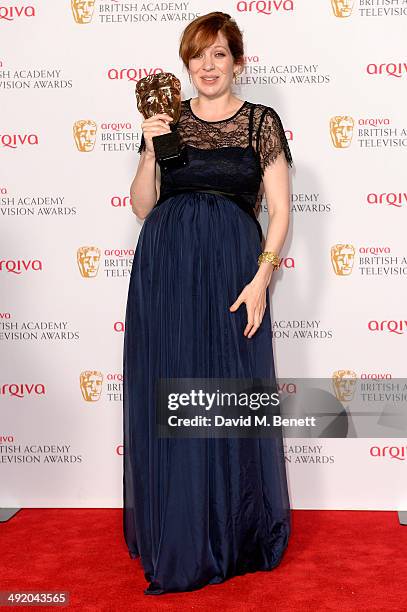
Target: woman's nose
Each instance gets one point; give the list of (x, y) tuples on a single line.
[(208, 63)]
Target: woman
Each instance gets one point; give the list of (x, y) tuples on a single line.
[(198, 511)]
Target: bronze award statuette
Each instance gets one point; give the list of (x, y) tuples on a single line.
[(161, 93)]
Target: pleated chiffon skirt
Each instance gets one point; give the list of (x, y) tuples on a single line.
[(197, 511)]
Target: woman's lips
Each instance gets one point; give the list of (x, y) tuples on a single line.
[(209, 79)]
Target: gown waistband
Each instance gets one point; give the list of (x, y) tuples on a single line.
[(237, 198)]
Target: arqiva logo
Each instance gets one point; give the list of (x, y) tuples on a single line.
[(22, 390), (131, 74), (287, 262), (12, 141), (9, 13), (392, 326), (120, 201), (17, 266), (6, 438), (394, 452), (265, 7), (391, 69), (376, 376), (391, 199)]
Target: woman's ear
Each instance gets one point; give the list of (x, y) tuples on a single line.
[(239, 67)]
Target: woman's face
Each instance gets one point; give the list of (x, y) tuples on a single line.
[(212, 69)]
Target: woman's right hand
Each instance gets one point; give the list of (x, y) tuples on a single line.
[(154, 126)]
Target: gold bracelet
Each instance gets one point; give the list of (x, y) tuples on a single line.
[(269, 256)]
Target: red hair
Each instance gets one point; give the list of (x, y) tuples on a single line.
[(202, 32)]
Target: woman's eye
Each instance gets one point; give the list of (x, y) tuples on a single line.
[(200, 54)]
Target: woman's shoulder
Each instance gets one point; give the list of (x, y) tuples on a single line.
[(185, 109), (271, 134), (263, 111), (185, 104)]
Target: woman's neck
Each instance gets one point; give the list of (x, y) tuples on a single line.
[(211, 109)]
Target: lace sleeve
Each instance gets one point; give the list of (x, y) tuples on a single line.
[(142, 146), (272, 139)]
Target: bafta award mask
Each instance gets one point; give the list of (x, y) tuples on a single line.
[(91, 385), (341, 128), (82, 10), (84, 131), (342, 258), (342, 8), (161, 93), (344, 382), (88, 258)]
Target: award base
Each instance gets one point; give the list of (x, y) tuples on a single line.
[(168, 152)]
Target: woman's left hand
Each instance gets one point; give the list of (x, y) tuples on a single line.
[(254, 296)]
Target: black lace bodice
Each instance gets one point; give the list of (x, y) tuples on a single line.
[(268, 138), (228, 156)]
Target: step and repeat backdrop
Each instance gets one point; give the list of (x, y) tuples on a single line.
[(336, 72)]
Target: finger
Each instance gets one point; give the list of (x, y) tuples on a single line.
[(248, 328), (156, 123), (250, 323), (236, 304), (253, 331), (164, 115), (257, 323), (156, 128), (159, 117), (159, 129)]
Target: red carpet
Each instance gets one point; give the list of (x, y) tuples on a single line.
[(335, 561)]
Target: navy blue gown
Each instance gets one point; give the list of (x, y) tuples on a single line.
[(198, 511)]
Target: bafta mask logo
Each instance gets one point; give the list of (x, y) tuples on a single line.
[(84, 132), (344, 384), (342, 8), (91, 385), (341, 128), (159, 93), (82, 10), (88, 258), (342, 258)]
